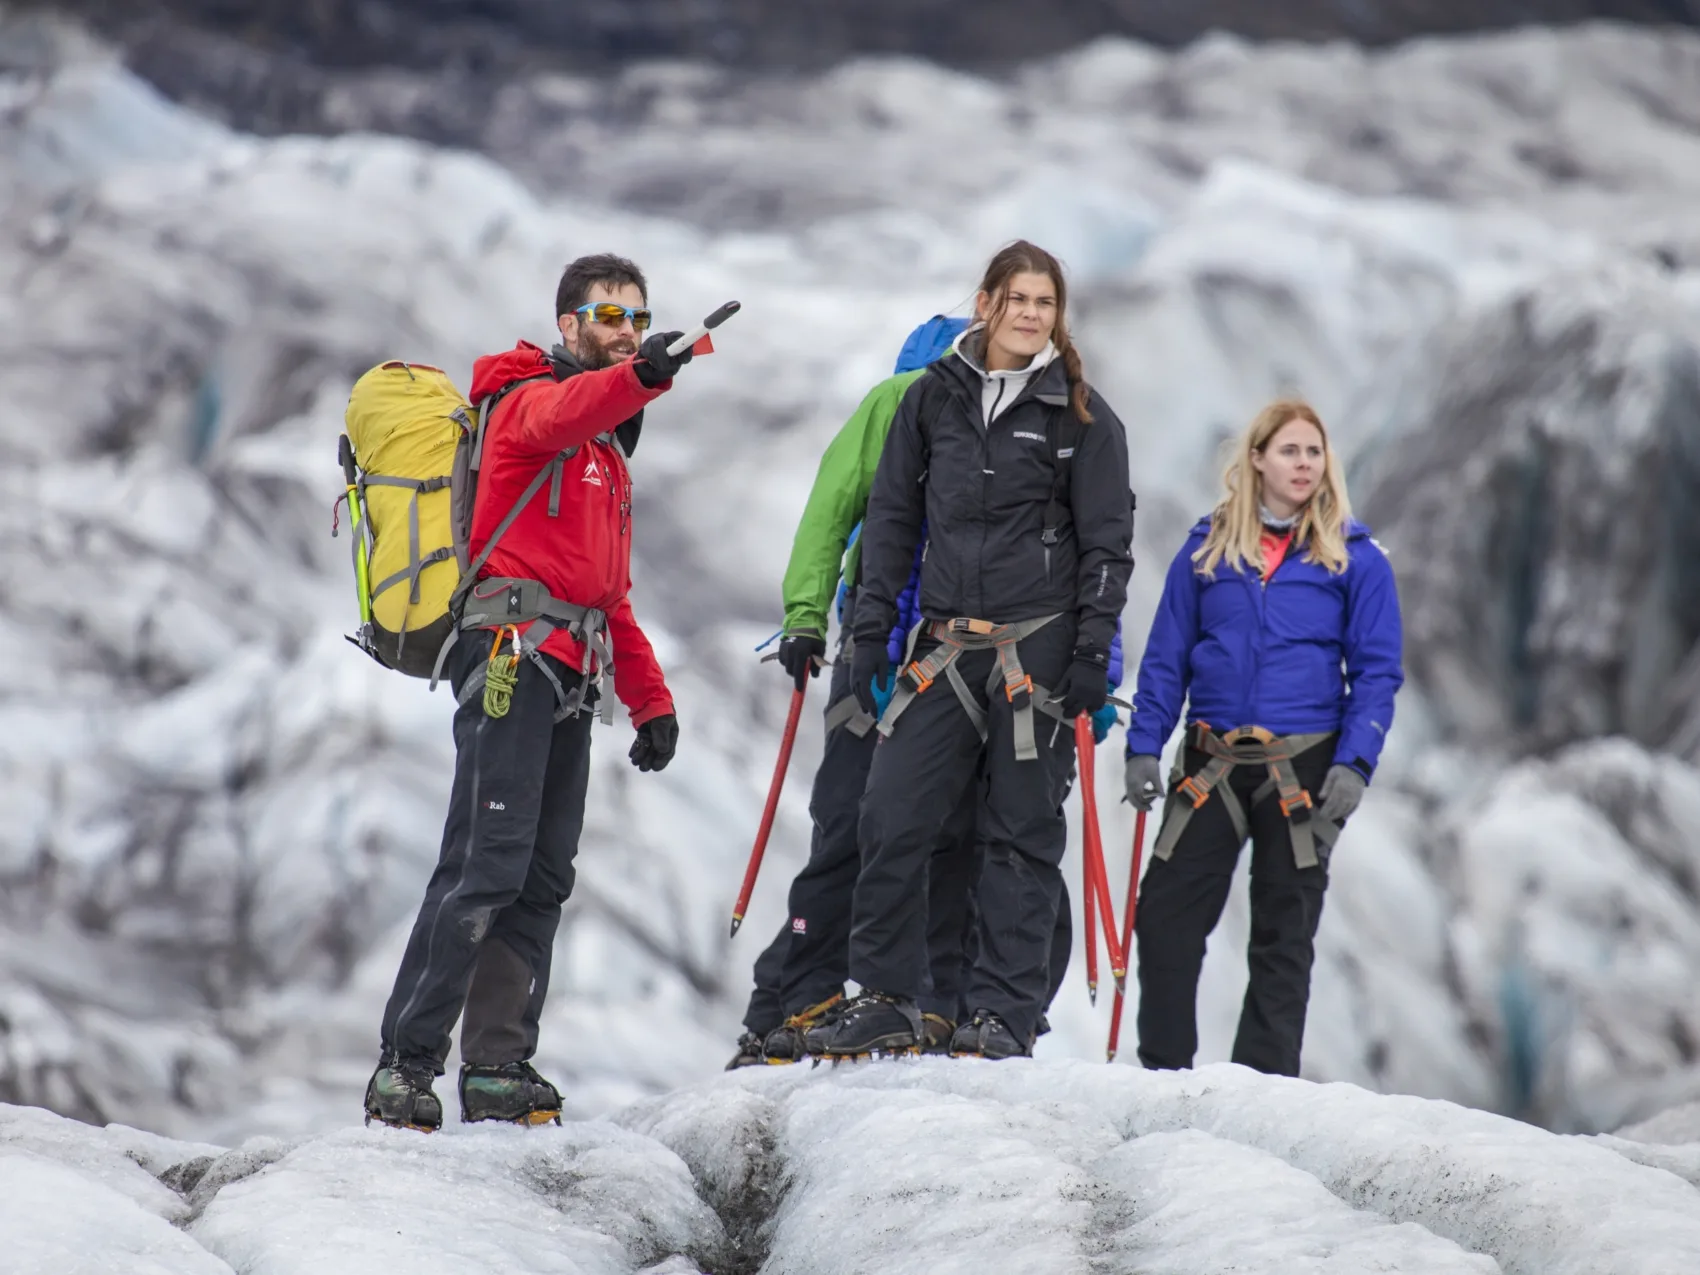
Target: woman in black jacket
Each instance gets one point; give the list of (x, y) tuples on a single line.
[(1015, 471)]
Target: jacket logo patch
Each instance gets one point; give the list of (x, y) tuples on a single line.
[(592, 474), (1063, 453), (799, 925), (1022, 433), (495, 805)]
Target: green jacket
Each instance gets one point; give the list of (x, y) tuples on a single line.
[(837, 502)]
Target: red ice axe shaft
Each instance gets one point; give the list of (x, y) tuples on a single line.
[(1127, 928), (1086, 751), (1091, 906), (773, 791)]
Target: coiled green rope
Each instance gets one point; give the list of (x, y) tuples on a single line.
[(500, 678)]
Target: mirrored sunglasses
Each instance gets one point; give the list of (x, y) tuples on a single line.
[(614, 315)]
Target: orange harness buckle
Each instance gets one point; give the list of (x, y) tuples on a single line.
[(1196, 794)]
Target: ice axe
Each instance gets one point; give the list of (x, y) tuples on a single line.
[(1127, 928), (1097, 880), (774, 789), (1090, 895), (696, 334)]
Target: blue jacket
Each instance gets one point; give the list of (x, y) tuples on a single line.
[(1306, 653)]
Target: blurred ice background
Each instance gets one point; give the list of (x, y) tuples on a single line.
[(1478, 256)]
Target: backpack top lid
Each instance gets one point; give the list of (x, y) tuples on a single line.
[(928, 342)]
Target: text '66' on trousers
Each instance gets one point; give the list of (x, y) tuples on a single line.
[(1181, 899), (919, 775), (493, 904)]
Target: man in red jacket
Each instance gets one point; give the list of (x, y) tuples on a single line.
[(553, 589)]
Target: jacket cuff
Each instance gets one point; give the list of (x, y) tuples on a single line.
[(660, 708), (874, 621), (1364, 768), (649, 392), (1138, 745)]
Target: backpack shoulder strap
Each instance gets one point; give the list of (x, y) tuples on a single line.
[(934, 396), (1062, 432), (486, 408)]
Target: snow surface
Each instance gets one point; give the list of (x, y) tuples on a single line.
[(221, 817), (932, 1166)]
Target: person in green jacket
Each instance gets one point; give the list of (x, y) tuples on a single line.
[(800, 976)]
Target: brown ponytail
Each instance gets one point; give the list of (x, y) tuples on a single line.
[(1022, 257)]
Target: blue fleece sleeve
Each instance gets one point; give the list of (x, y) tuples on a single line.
[(908, 606), (1374, 655), (1165, 670), (1117, 668)]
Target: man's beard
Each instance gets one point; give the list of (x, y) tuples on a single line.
[(594, 354)]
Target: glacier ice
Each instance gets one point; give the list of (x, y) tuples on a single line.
[(902, 1167), (221, 815)]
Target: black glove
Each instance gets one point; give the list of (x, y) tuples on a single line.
[(801, 653), (654, 365), (656, 740), (869, 663), (1086, 685)]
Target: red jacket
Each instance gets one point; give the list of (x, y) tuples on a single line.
[(583, 554)]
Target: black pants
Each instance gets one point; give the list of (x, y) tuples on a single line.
[(1181, 900), (953, 938), (808, 960), (506, 865), (918, 778)]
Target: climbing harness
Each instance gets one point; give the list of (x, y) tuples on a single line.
[(503, 602), (1247, 746), (965, 634)]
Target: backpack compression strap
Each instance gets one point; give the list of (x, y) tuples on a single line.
[(1063, 430)]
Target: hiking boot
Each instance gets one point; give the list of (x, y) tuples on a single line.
[(987, 1036), (936, 1032), (873, 1023), (749, 1052), (400, 1095), (508, 1091), (787, 1042)]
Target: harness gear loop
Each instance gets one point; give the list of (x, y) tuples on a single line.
[(1247, 746), (501, 675), (964, 633)]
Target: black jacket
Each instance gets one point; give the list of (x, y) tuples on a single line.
[(984, 495)]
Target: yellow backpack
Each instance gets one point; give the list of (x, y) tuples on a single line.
[(408, 465)]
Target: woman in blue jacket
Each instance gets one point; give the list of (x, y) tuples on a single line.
[(1279, 629)]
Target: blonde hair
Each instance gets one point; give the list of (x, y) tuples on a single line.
[(1236, 525)]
